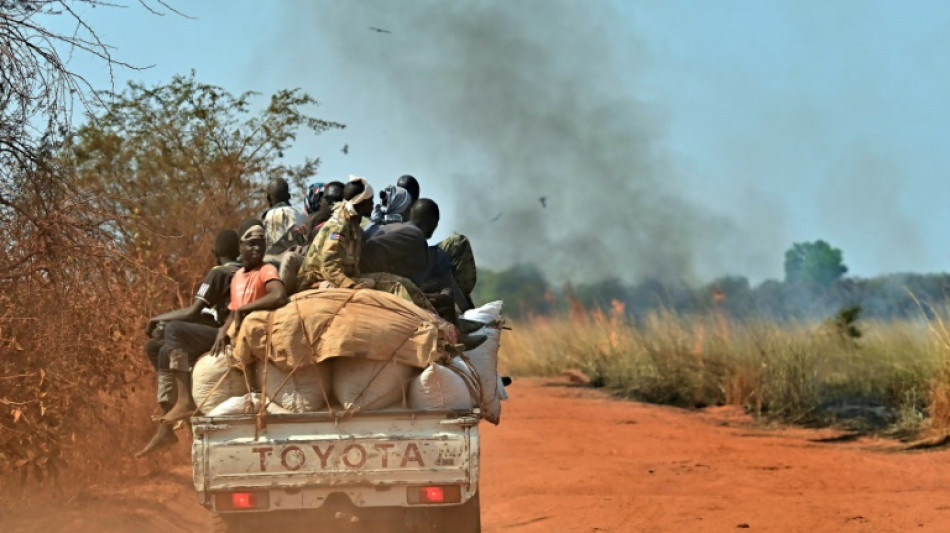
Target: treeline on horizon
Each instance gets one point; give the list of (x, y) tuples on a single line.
[(812, 289)]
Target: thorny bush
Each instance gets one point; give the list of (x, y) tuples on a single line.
[(111, 226)]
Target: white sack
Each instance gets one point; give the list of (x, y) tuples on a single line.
[(440, 387), (307, 389), (250, 403), (488, 314), (367, 384), (205, 376), (485, 361)]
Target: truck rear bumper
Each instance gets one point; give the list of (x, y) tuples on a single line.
[(281, 499)]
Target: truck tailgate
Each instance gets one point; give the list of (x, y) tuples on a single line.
[(373, 451)]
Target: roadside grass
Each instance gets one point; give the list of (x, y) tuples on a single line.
[(894, 378)]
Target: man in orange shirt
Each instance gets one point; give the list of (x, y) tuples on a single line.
[(255, 287)]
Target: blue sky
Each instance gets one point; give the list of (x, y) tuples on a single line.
[(792, 120)]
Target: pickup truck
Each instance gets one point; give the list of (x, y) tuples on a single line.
[(392, 470)]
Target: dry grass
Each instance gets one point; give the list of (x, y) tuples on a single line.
[(897, 376)]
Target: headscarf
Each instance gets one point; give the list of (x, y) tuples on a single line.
[(314, 193), (349, 206), (254, 232), (395, 201)]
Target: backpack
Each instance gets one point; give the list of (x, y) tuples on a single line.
[(295, 236), (459, 250)]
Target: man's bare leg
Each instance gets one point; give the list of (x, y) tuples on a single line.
[(163, 438), (185, 405), (167, 397)]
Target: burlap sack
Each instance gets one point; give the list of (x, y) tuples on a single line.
[(443, 387), (397, 286), (322, 324), (205, 389), (306, 389), (366, 384)]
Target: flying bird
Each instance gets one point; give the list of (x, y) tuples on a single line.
[(544, 201), (496, 217), (345, 149), (379, 30)]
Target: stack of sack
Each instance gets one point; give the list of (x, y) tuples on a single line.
[(248, 404), (469, 380), (356, 349), (318, 325), (219, 387)]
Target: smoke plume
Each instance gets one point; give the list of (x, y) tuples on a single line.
[(557, 163), (861, 204)]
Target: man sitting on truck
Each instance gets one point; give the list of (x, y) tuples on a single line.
[(254, 287), (321, 207), (411, 184), (334, 255), (287, 253), (393, 208), (457, 247), (280, 217), (400, 247), (436, 279), (180, 336)]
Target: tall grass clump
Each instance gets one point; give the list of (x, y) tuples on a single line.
[(938, 400), (804, 372)]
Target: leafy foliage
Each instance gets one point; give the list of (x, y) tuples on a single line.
[(179, 161), (101, 226), (107, 229), (814, 262), (895, 296), (522, 287), (845, 323), (37, 96)]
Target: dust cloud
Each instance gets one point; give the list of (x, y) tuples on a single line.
[(557, 161)]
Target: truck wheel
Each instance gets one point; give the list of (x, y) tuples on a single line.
[(465, 518), (230, 523)]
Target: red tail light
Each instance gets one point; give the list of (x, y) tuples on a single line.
[(244, 500), (434, 494), (240, 501)]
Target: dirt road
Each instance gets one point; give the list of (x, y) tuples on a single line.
[(573, 460)]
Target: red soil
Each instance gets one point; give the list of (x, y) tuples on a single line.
[(567, 459)]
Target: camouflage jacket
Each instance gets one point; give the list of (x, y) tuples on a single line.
[(334, 254)]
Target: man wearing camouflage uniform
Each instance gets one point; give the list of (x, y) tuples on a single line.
[(334, 255)]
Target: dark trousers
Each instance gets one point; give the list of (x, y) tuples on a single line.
[(184, 342)]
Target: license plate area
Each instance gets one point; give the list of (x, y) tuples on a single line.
[(337, 461)]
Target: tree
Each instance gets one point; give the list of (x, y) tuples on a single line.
[(179, 161), (38, 97), (602, 293), (70, 295), (815, 263), (522, 287)]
